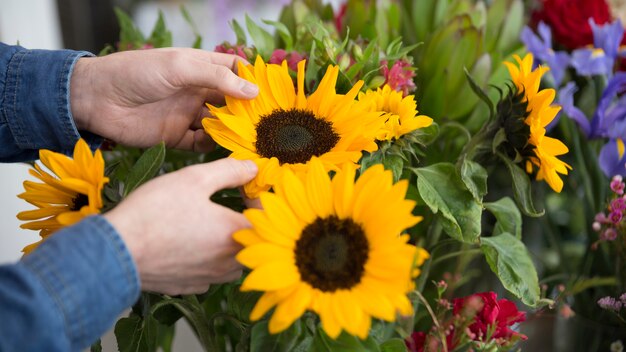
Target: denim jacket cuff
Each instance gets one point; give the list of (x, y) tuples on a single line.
[(89, 274), (37, 100)]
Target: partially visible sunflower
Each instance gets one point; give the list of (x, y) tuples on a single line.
[(332, 247), (72, 192), (539, 113), (283, 129), (399, 114)]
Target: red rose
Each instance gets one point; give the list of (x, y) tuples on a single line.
[(569, 20), (499, 313)]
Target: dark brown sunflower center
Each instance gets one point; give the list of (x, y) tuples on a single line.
[(294, 136), (79, 201), (331, 254)]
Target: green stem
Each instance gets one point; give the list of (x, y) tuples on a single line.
[(468, 252), (440, 332)]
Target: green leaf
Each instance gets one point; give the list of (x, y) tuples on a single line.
[(395, 163), (96, 346), (197, 43), (130, 35), (474, 176), (239, 32), (509, 260), (344, 343), (165, 337), (262, 341), (393, 345), (498, 139), (479, 92), (284, 33), (241, 303), (263, 41), (135, 334), (585, 284), (381, 330), (441, 188), (511, 27), (160, 37), (507, 215), (521, 188), (145, 168)]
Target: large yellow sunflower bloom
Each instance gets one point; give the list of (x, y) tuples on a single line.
[(399, 113), (540, 114), (283, 129), (73, 192), (332, 247)]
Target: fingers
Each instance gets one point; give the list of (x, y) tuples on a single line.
[(224, 173), (200, 73), (222, 59), (196, 141)]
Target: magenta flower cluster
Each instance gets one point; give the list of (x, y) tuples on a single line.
[(613, 304), (609, 225)]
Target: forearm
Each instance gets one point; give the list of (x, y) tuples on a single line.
[(35, 110), (69, 291)]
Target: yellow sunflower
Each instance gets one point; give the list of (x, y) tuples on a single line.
[(283, 129), (73, 192), (399, 114), (540, 114), (332, 247)]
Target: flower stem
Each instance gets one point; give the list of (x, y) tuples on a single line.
[(440, 332)]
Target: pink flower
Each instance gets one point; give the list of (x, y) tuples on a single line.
[(618, 204), (501, 314), (601, 218), (616, 216), (231, 49), (399, 77), (617, 185), (280, 55), (610, 303), (609, 234)]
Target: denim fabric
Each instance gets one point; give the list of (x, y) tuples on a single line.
[(35, 108), (68, 292)]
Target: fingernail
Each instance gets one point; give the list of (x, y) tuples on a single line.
[(249, 89), (251, 166)]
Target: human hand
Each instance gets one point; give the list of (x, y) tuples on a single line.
[(181, 241), (140, 98)]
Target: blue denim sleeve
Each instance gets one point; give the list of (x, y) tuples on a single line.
[(67, 293), (35, 110)]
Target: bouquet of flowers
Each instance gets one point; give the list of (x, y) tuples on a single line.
[(401, 146)]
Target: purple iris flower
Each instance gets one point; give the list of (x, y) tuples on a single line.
[(541, 47), (600, 59), (608, 121)]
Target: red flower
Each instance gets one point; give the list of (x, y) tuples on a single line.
[(279, 55), (399, 77), (340, 16), (415, 342), (500, 314), (231, 49), (421, 342), (569, 20)]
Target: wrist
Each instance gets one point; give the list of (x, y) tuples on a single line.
[(81, 93), (126, 230)]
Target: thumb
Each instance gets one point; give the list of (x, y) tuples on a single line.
[(227, 173)]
